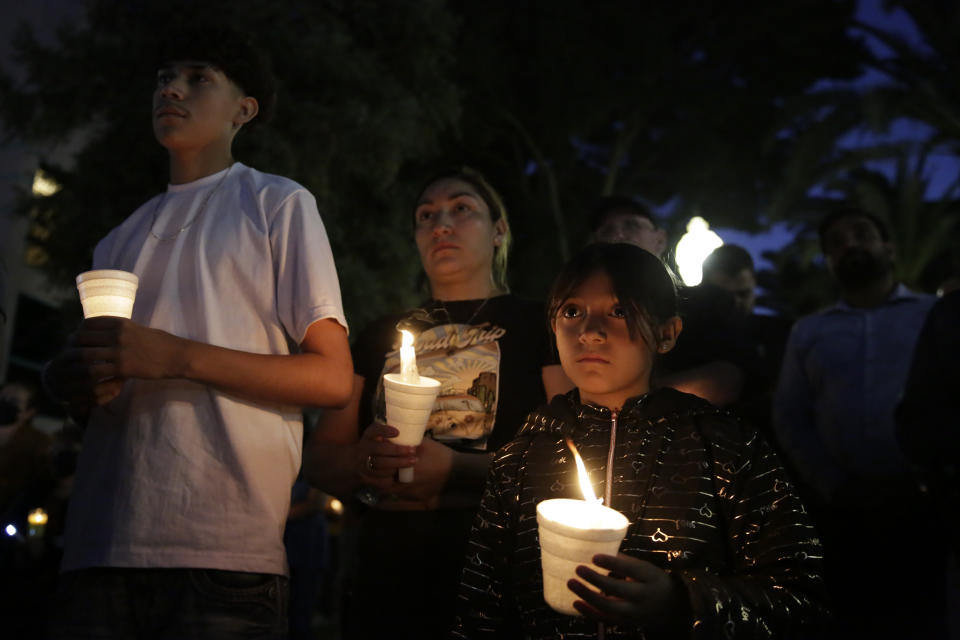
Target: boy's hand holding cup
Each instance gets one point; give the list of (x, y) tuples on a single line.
[(111, 293)]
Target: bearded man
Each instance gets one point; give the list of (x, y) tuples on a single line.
[(843, 372)]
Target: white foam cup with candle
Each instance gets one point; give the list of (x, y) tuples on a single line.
[(107, 292), (409, 398), (571, 533), (409, 405)]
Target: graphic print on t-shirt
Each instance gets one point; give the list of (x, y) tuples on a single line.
[(466, 361)]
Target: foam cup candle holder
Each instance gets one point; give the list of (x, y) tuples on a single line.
[(107, 292), (409, 397), (571, 532)]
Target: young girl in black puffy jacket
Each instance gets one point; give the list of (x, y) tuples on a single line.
[(719, 544)]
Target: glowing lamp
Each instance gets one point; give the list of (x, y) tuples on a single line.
[(43, 185), (693, 248)]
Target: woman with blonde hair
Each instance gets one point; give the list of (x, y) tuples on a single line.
[(495, 361)]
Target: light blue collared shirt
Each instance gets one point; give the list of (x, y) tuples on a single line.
[(842, 376)]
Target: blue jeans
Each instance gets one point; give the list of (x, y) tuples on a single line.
[(168, 604)]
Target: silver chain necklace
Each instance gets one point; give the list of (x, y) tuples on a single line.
[(203, 207), (454, 342)]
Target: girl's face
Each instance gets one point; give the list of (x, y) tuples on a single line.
[(454, 233), (596, 350)]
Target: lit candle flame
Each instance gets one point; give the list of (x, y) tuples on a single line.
[(408, 358), (37, 516), (582, 476)]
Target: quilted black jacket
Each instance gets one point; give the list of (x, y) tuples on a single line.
[(708, 501)]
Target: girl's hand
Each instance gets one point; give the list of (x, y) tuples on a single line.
[(645, 595), (378, 459)]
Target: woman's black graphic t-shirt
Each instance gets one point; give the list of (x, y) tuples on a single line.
[(487, 354)]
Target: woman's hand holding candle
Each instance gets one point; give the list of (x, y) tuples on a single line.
[(431, 472), (378, 458), (636, 592)]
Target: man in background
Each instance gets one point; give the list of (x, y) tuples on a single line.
[(730, 268), (843, 373), (622, 219)]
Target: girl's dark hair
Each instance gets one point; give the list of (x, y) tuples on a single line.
[(644, 286), (498, 211)]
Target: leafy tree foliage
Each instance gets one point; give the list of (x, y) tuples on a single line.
[(920, 87), (924, 88), (364, 90), (685, 103), (694, 107)]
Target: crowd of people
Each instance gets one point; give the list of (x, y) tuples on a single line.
[(778, 482)]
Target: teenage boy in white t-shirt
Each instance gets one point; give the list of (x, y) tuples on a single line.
[(194, 430)]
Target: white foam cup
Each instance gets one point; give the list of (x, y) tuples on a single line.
[(571, 533), (107, 292), (408, 409)]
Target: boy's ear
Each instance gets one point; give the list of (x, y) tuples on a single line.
[(669, 332), (247, 110)]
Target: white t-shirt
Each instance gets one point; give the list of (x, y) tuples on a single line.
[(178, 474)]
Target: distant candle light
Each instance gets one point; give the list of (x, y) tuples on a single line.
[(37, 520)]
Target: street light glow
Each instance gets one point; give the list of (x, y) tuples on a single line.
[(43, 185), (694, 247)]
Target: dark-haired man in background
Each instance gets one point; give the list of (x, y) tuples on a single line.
[(622, 219), (843, 373)]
